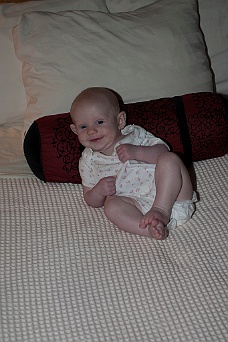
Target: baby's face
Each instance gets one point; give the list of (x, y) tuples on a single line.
[(97, 126)]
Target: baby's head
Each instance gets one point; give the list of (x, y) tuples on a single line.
[(97, 119)]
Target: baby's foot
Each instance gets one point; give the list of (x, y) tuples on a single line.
[(156, 220)]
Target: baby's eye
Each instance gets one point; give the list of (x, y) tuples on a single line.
[(82, 126), (100, 122)]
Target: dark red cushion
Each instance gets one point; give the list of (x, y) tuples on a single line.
[(194, 125)]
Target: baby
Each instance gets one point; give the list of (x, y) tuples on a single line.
[(145, 189)]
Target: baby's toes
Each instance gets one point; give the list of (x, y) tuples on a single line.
[(142, 224)]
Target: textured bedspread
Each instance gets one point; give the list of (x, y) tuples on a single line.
[(67, 274)]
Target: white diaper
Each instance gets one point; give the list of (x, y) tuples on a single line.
[(182, 211)]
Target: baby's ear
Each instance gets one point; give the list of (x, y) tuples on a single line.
[(121, 120), (72, 127)]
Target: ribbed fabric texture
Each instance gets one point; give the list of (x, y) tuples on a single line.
[(68, 275)]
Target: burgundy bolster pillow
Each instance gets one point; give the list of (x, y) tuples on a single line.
[(194, 126)]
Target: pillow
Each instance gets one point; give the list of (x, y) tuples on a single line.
[(194, 125), (216, 37), (12, 93), (117, 6), (156, 51)]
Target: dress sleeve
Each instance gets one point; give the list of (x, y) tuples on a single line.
[(86, 169), (151, 140), (148, 139)]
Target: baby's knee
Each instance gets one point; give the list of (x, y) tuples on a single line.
[(167, 159)]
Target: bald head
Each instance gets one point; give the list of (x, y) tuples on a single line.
[(98, 97)]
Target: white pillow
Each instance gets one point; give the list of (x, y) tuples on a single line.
[(214, 23), (12, 94), (117, 6), (156, 51)]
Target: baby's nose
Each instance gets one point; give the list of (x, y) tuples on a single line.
[(91, 130)]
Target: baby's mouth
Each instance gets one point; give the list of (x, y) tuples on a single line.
[(95, 139)]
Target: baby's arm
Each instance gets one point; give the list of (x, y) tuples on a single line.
[(147, 154), (95, 197)]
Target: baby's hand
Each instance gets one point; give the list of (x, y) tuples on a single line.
[(126, 152), (107, 186)]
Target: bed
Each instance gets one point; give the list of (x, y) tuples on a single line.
[(66, 273)]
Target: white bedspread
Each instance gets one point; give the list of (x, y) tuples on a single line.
[(67, 274)]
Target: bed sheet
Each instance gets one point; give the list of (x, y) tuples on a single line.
[(68, 274)]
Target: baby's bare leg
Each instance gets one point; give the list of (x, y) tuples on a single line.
[(173, 183), (125, 213)]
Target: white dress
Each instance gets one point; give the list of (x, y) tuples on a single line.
[(133, 178)]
